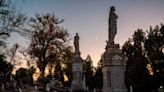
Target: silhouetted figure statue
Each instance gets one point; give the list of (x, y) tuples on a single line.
[(76, 44), (112, 25)]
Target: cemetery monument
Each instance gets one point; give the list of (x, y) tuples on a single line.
[(113, 60), (77, 67)]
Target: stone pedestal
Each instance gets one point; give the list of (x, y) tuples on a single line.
[(113, 68), (77, 70)]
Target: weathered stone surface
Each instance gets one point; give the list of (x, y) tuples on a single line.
[(112, 25), (113, 61), (113, 68)]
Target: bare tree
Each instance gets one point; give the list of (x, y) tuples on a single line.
[(11, 20), (48, 40)]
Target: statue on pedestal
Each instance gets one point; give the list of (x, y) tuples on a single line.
[(77, 67), (113, 60), (112, 25)]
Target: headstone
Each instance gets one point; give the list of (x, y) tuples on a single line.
[(87, 88), (3, 87), (48, 87), (11, 78), (131, 88), (36, 88), (52, 83), (15, 86), (7, 85), (84, 83), (94, 90), (20, 90), (113, 60)]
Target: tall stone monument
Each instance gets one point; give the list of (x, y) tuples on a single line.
[(77, 67), (113, 60)]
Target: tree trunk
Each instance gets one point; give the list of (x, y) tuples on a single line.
[(42, 69)]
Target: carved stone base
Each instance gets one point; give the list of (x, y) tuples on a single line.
[(76, 86), (113, 68), (77, 70), (112, 45)]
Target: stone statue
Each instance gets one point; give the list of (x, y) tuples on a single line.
[(76, 43), (112, 25)]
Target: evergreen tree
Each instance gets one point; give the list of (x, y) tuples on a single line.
[(145, 64), (136, 72), (98, 78), (154, 46), (89, 73)]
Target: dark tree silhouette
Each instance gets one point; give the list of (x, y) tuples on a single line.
[(11, 20), (98, 78), (5, 70), (24, 75), (89, 76), (67, 70), (145, 65), (49, 40), (154, 46), (136, 73)]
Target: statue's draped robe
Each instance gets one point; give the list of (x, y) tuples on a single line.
[(76, 43), (112, 26)]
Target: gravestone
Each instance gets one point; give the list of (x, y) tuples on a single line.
[(3, 87), (36, 88), (13, 84), (47, 87), (20, 90), (52, 83), (113, 60)]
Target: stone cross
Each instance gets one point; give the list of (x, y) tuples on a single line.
[(112, 25)]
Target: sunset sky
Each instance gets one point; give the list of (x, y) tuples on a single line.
[(89, 18)]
